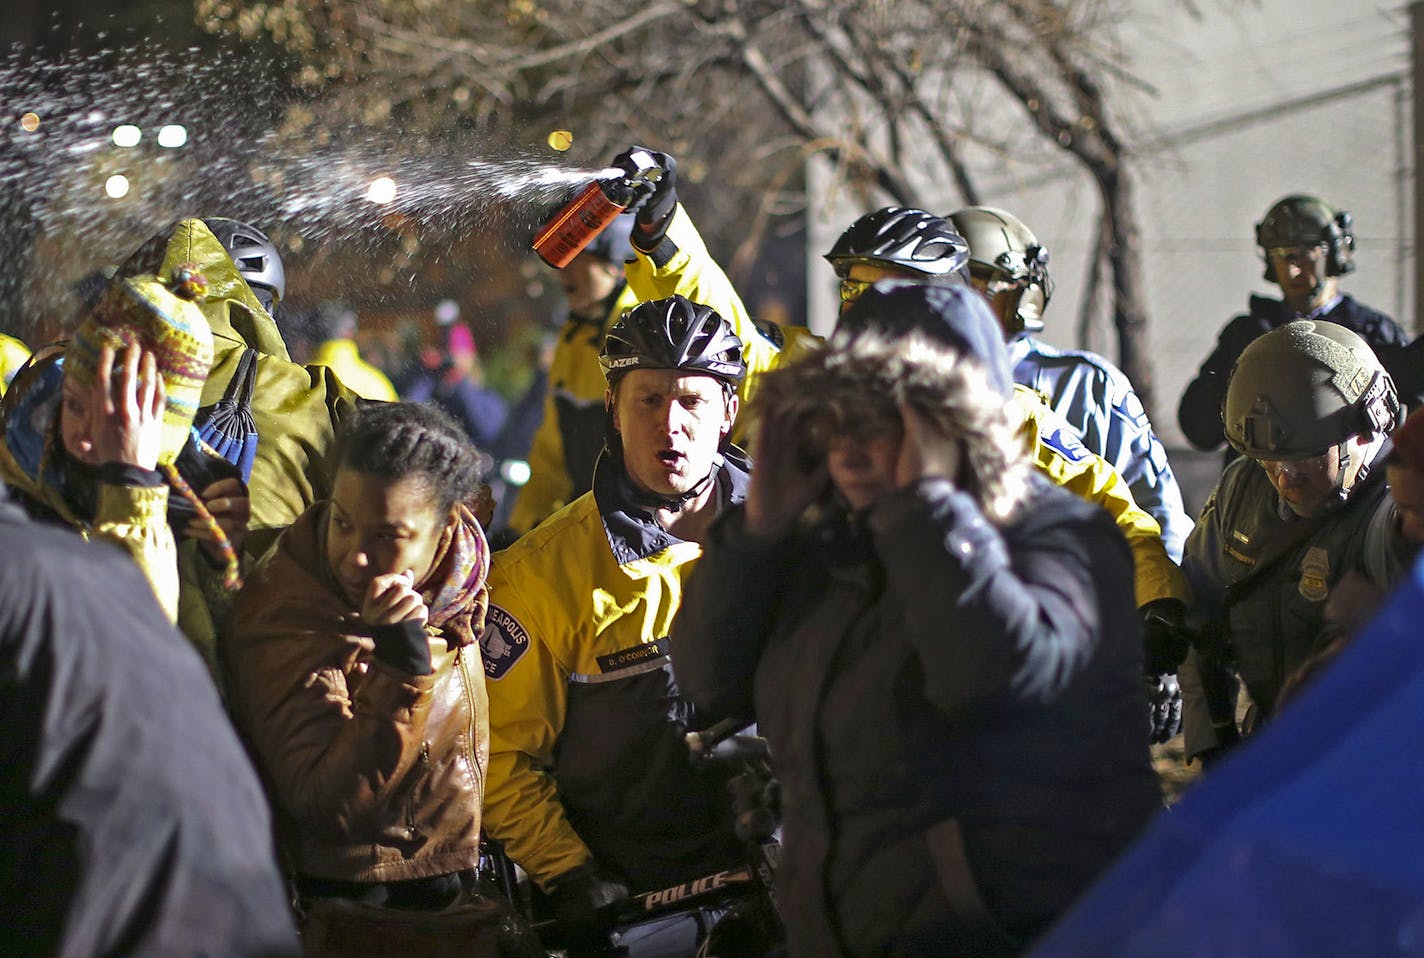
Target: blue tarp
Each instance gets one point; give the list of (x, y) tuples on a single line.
[(1308, 840)]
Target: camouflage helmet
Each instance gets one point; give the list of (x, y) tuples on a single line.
[(1305, 220), (999, 243), (1304, 387)]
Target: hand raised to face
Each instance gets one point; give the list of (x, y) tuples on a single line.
[(926, 451), (391, 599), (784, 482), (126, 408)]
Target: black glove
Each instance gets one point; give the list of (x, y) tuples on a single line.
[(584, 895), (404, 646), (1164, 636), (1164, 701), (653, 200)]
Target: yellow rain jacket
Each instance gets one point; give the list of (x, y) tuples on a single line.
[(1060, 454), (364, 379), (587, 756), (297, 408)]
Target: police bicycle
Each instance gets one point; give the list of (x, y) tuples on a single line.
[(735, 910)]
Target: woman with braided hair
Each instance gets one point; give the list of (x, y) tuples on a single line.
[(354, 673)]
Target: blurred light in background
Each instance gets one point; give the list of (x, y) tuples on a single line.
[(383, 190), (173, 136), (127, 135), (117, 186), (30, 122)]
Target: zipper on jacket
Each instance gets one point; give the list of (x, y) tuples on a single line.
[(423, 758), (470, 732)]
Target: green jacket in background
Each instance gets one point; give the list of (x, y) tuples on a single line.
[(297, 410)]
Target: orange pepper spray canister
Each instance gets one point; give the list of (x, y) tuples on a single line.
[(572, 228)]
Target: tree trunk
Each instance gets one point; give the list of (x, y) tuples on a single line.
[(1129, 313)]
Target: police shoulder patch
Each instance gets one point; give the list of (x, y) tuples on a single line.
[(1066, 444), (503, 642)]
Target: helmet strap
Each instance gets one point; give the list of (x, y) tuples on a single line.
[(1342, 452), (1370, 454), (653, 501), (1319, 287)]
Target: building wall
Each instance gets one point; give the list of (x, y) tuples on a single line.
[(1249, 102)]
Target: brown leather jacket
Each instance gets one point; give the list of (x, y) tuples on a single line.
[(378, 774)]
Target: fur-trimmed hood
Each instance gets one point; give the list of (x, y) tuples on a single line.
[(957, 317), (855, 385)]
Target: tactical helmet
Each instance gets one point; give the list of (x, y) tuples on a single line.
[(257, 258), (903, 238), (1000, 243), (1304, 220), (673, 333), (1304, 387)]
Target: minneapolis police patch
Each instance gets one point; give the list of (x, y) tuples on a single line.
[(503, 642), (1066, 444)]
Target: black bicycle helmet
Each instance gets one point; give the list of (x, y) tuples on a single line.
[(904, 238), (256, 257), (673, 333)]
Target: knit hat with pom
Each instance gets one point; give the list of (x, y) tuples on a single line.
[(162, 318)]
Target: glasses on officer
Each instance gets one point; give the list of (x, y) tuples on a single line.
[(853, 289), (991, 281), (1307, 466)]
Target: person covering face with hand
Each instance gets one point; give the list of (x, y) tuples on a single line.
[(940, 646), (98, 431), (1059, 455), (354, 670)]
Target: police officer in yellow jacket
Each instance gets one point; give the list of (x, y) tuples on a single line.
[(662, 255), (570, 434), (590, 788)]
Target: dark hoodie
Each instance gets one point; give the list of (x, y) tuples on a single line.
[(953, 697), (954, 315), (133, 821)]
